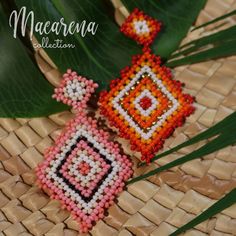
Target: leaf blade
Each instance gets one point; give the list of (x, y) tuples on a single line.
[(221, 127), (217, 38), (175, 21), (99, 57), (223, 50), (23, 90), (228, 200), (226, 137), (215, 20)]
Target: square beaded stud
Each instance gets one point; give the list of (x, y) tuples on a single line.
[(146, 105), (141, 27), (74, 90), (84, 171)]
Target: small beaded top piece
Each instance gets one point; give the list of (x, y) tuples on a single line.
[(84, 169), (145, 104), (141, 27), (74, 90)]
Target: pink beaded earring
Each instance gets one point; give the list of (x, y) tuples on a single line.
[(74, 90), (83, 169)]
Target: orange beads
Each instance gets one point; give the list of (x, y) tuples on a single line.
[(141, 27), (147, 106)]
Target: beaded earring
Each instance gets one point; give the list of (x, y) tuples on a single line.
[(74, 90), (145, 104), (84, 170)]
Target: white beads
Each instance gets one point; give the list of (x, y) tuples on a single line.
[(84, 179), (154, 103), (127, 88), (141, 27)]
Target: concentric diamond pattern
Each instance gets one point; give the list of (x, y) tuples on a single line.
[(84, 171), (85, 179), (146, 105), (141, 27)]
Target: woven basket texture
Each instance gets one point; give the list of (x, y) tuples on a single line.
[(156, 206)]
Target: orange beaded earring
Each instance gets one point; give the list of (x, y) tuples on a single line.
[(145, 104)]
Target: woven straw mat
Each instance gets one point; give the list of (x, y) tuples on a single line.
[(156, 206)]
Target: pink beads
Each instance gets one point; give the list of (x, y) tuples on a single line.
[(83, 170), (74, 90)]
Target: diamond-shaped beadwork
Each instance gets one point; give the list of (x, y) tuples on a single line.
[(141, 27), (74, 90), (84, 171), (166, 105)]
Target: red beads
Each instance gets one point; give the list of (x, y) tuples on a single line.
[(146, 105), (84, 168), (141, 27), (145, 102)]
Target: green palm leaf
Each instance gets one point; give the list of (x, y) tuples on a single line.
[(92, 56), (223, 126), (172, 14), (215, 39), (23, 89), (223, 50), (220, 44), (215, 20), (226, 131), (219, 206)]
